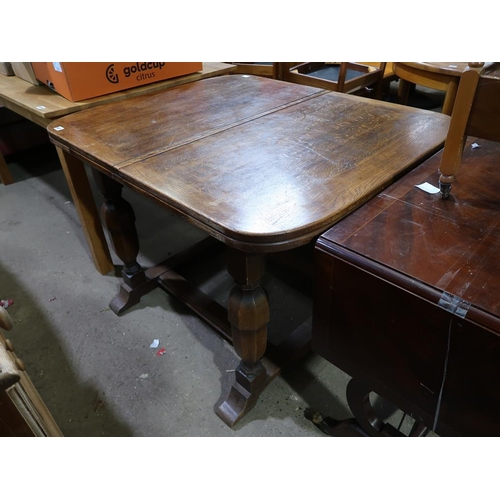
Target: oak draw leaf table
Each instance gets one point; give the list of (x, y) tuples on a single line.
[(261, 165)]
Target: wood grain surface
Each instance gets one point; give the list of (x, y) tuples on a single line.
[(407, 296), (450, 244), (124, 133), (257, 163), (40, 104)]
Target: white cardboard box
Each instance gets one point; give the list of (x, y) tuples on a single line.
[(6, 69), (25, 71)]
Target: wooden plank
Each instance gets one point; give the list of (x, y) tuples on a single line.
[(42, 103)]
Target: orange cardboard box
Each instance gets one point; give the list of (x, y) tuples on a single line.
[(83, 80)]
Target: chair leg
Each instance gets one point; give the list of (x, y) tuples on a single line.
[(403, 91), (445, 182)]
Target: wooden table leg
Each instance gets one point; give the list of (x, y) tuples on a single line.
[(5, 175), (119, 218), (248, 314), (79, 186), (244, 323)]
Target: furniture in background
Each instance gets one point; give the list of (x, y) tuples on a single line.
[(219, 155), (348, 77), (277, 70), (388, 75), (41, 105), (406, 301), (476, 113), (22, 411), (444, 76), (267, 69), (5, 175)]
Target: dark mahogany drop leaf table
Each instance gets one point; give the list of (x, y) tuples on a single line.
[(407, 300)]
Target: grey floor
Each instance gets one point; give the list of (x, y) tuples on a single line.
[(96, 371)]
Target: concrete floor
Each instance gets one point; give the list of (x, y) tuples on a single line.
[(96, 371)]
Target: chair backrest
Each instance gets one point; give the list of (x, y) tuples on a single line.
[(347, 77), (476, 113)]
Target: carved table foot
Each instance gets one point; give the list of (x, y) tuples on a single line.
[(335, 428), (243, 395), (128, 296), (248, 314), (365, 422)]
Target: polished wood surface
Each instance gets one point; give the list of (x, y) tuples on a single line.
[(260, 165), (149, 126), (477, 113), (407, 294), (439, 68), (41, 105), (443, 76), (273, 182)]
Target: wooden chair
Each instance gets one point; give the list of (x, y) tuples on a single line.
[(348, 77), (267, 69), (476, 113), (22, 411)]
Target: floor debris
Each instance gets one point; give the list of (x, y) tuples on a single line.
[(98, 402)]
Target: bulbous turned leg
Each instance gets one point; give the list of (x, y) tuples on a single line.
[(445, 182), (119, 219), (248, 312)]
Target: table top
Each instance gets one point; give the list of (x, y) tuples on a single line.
[(410, 296), (43, 104), (448, 245), (454, 69), (260, 164)]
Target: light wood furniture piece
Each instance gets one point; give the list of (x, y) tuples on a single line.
[(406, 302), (389, 74), (42, 105), (349, 77), (22, 411), (262, 166), (268, 69), (476, 113), (444, 76)]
